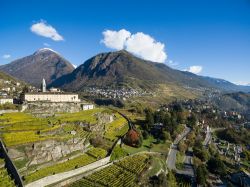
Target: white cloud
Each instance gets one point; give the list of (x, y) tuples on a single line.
[(43, 29), (75, 66), (140, 44), (6, 56), (46, 44), (115, 39), (194, 69)]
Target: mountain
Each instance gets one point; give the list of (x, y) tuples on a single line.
[(237, 101), (122, 69), (44, 63), (8, 82), (226, 85)]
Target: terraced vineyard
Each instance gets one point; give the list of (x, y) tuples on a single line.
[(97, 152), (29, 137), (21, 128), (122, 173), (117, 128), (74, 163), (87, 116), (18, 138)]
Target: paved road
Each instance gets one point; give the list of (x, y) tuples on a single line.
[(188, 165), (172, 153), (207, 138)]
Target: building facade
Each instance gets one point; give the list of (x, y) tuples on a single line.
[(6, 100), (51, 97), (87, 106)]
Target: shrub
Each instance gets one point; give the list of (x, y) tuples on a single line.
[(215, 165), (118, 153)]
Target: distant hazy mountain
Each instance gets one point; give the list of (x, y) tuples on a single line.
[(237, 101), (122, 69), (226, 85), (44, 63)]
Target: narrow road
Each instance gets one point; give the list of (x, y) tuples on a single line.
[(172, 153), (207, 138), (188, 165)]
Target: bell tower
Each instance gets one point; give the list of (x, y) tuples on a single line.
[(43, 86)]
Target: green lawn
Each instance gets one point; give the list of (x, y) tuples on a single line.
[(149, 145)]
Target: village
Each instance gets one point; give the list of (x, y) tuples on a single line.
[(117, 93), (10, 95)]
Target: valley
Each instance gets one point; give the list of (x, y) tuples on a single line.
[(103, 124)]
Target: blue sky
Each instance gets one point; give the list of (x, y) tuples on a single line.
[(211, 35)]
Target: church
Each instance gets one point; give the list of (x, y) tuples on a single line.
[(52, 95)]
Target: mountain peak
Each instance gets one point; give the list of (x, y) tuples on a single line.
[(44, 63), (44, 50)]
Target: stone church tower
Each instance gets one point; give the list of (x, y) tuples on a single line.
[(43, 86)]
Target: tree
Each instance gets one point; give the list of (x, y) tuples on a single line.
[(25, 89), (165, 136), (246, 153), (192, 120), (149, 118), (171, 180), (159, 116), (215, 165), (145, 134), (197, 162), (177, 107), (212, 149), (201, 175), (133, 138), (191, 138), (201, 153), (181, 117), (182, 147)]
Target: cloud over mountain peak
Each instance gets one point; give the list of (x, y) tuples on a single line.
[(140, 44)]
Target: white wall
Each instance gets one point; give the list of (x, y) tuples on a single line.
[(52, 97), (3, 101), (87, 107)]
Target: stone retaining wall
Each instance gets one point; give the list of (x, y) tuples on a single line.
[(7, 111)]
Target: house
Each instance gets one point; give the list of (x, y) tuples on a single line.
[(54, 90), (87, 106), (6, 100)]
